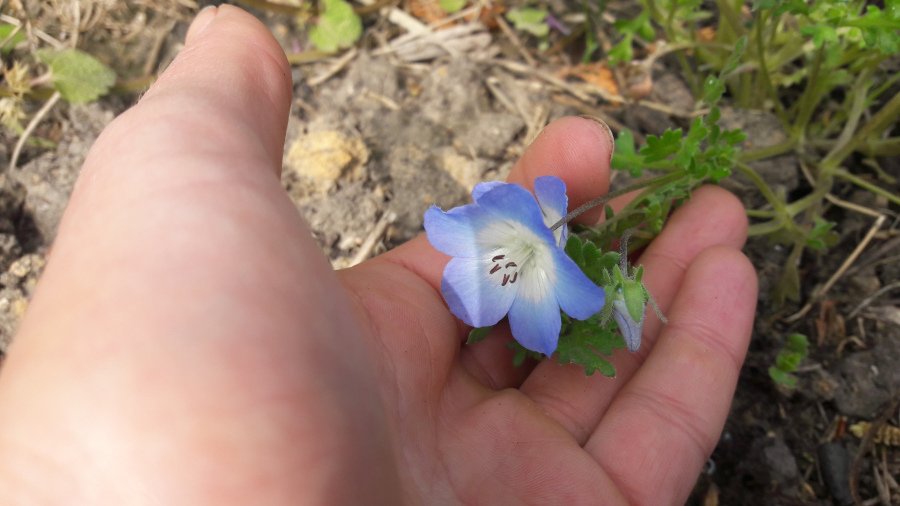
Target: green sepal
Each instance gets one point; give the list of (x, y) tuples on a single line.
[(477, 334), (633, 294)]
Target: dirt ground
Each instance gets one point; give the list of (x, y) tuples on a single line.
[(378, 134)]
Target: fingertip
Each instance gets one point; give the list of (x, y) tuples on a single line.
[(230, 62), (201, 21), (729, 210), (575, 149)]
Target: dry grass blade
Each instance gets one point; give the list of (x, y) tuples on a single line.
[(38, 116)]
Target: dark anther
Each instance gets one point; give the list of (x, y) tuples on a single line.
[(510, 280), (498, 257), (496, 268), (510, 264)]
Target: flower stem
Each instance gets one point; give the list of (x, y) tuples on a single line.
[(599, 201)]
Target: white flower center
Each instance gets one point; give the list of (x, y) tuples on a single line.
[(516, 256)]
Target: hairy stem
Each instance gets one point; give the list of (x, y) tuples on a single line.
[(599, 201)]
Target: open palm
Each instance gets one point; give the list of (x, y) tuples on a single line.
[(188, 344)]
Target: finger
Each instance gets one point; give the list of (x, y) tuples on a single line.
[(662, 426), (712, 217), (174, 294), (577, 150)]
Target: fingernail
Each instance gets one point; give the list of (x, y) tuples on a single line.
[(201, 22), (610, 139)]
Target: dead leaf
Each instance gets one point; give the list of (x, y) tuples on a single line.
[(706, 34), (597, 74)]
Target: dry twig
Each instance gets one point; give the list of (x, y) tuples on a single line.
[(372, 239), (38, 116)]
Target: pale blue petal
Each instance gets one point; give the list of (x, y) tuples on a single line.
[(482, 188), (472, 295), (631, 330), (513, 203), (551, 195), (453, 232), (577, 295), (535, 322)]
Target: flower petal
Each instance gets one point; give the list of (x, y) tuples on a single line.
[(551, 195), (472, 295), (576, 294), (534, 320), (631, 330), (454, 232), (514, 203), (482, 188)]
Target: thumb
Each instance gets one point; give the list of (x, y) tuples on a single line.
[(234, 70)]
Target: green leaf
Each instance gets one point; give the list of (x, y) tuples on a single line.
[(10, 37), (782, 378), (621, 52), (625, 157), (734, 58), (797, 343), (76, 75), (529, 20), (822, 235), (588, 343), (451, 6), (573, 249), (713, 89), (338, 27), (820, 34), (478, 334), (659, 148)]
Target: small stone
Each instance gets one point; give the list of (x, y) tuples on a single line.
[(324, 157), (465, 171), (28, 264)]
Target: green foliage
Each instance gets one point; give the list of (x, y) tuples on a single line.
[(451, 6), (589, 343), (795, 350), (478, 334), (822, 235), (10, 37), (530, 20), (705, 152), (594, 263), (629, 29), (78, 76), (338, 27)]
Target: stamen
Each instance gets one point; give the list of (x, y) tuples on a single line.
[(498, 257), (510, 264), (495, 269)]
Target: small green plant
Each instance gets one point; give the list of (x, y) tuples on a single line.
[(452, 6), (629, 29), (338, 27), (44, 75), (531, 20), (834, 53), (795, 350)]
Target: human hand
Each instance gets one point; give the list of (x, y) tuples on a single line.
[(188, 343)]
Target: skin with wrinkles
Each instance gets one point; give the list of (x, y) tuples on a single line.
[(188, 343)]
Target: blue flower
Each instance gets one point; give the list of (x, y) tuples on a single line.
[(506, 260)]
